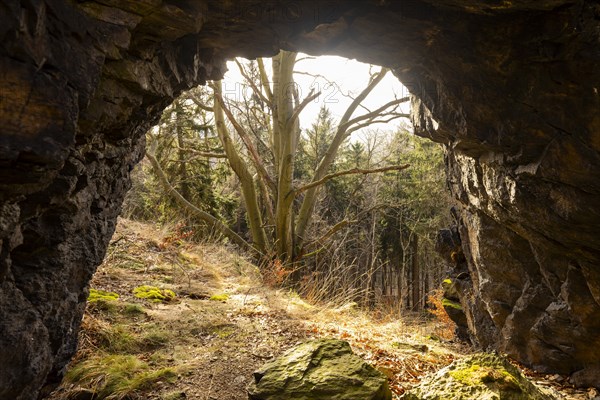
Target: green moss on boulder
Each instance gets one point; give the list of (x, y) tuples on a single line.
[(481, 376), (450, 289), (447, 303), (317, 370)]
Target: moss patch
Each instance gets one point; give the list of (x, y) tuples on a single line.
[(101, 295), (446, 303), (154, 294), (177, 395), (477, 375), (219, 297), (495, 375)]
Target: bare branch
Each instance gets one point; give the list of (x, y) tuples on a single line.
[(301, 107), (306, 58), (250, 81), (201, 105), (313, 75), (375, 121), (374, 113), (211, 154), (204, 153), (203, 215), (363, 95), (350, 172), (249, 145), (264, 80), (332, 231)]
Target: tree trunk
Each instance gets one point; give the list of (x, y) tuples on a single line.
[(184, 187), (286, 146), (416, 292), (240, 168)]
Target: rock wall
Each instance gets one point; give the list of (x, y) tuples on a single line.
[(511, 89)]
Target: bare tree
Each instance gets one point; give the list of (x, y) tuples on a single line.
[(260, 138)]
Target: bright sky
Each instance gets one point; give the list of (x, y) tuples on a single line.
[(350, 76)]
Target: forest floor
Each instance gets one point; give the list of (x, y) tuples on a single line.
[(222, 324)]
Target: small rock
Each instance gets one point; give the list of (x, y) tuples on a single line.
[(556, 378), (587, 377), (410, 346)]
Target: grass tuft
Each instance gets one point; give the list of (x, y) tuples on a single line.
[(117, 376), (132, 310)]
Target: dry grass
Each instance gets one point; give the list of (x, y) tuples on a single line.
[(404, 349)]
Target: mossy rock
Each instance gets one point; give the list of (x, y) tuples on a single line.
[(450, 289), (457, 314), (154, 294), (317, 370), (481, 376)]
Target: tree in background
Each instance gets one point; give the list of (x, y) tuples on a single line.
[(307, 200), (261, 138), (385, 256), (185, 143), (419, 208)]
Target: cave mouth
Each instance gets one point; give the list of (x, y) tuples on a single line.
[(352, 142), (513, 87)]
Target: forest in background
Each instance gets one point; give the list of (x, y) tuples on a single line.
[(342, 211)]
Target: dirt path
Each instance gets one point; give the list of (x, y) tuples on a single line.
[(223, 324)]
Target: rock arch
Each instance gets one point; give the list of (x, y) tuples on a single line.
[(513, 87)]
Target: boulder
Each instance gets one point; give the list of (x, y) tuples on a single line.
[(480, 376), (319, 369)]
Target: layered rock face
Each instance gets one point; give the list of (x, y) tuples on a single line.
[(510, 88)]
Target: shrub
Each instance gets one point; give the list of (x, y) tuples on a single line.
[(446, 326)]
